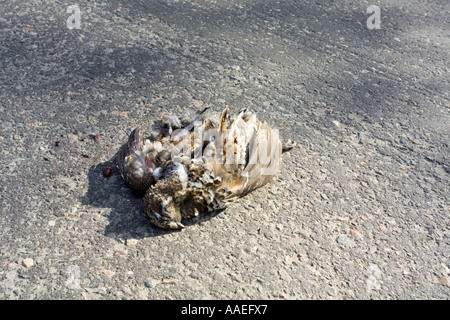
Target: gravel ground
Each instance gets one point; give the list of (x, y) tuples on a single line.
[(359, 211)]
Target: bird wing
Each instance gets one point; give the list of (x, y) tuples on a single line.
[(246, 157), (264, 157)]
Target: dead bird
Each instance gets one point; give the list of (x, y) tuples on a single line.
[(187, 167)]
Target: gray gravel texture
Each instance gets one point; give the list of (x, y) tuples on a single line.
[(359, 211)]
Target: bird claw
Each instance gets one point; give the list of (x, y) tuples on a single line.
[(289, 145), (175, 225)]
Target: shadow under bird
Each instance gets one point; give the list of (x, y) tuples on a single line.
[(190, 166)]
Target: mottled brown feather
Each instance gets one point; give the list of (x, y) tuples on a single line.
[(220, 169)]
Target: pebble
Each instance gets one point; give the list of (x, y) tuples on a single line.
[(355, 233), (72, 138), (151, 283), (342, 239), (28, 262), (131, 242), (108, 273), (194, 275), (120, 253)]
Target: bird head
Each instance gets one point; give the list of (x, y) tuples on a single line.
[(136, 163)]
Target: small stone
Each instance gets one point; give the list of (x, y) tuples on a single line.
[(108, 273), (28, 262), (72, 138), (194, 275), (131, 242), (342, 239), (151, 283), (51, 223), (120, 253), (355, 233)]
